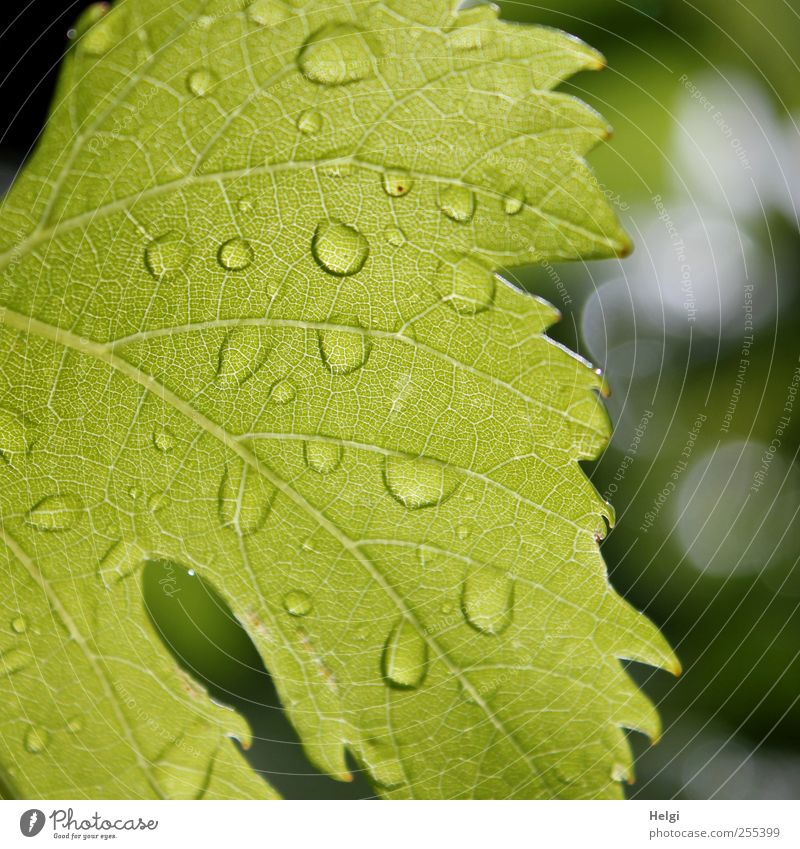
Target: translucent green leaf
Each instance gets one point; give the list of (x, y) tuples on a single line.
[(251, 325)]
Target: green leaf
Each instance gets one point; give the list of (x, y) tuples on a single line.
[(252, 327)]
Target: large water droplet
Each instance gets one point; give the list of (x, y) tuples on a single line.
[(418, 483), (487, 599), (235, 254), (267, 13), (245, 498), (166, 254), (405, 656), (201, 81), (55, 512), (36, 740), (337, 54), (457, 203), (297, 603), (242, 354), (323, 457), (343, 351), (309, 122), (13, 433), (283, 392), (164, 440), (397, 183), (514, 200), (467, 286), (19, 625), (340, 249)]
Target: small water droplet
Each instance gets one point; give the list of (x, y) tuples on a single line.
[(462, 532), (13, 661), (242, 354), (418, 483), (166, 254), (164, 440), (309, 122), (405, 656), (55, 513), (467, 286), (343, 351), (200, 82), (457, 203), (340, 249), (19, 625), (514, 200), (13, 432), (397, 183), (323, 457), (36, 740), (75, 725), (394, 236), (134, 492), (245, 499), (267, 13), (235, 254), (297, 603), (337, 54), (487, 600), (191, 573), (101, 28), (283, 392)]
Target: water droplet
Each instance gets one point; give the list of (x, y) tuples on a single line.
[(514, 200), (13, 432), (340, 249), (166, 254), (418, 483), (19, 625), (242, 354), (394, 236), (297, 603), (235, 254), (245, 499), (157, 501), (267, 13), (309, 122), (283, 392), (467, 286), (457, 203), (462, 532), (337, 54), (164, 440), (134, 492), (323, 457), (397, 183), (343, 351), (200, 82), (36, 740), (405, 656), (75, 725), (13, 661), (487, 600), (381, 762), (102, 30), (55, 512)]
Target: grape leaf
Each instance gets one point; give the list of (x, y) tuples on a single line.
[(252, 326)]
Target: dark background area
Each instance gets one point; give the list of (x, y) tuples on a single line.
[(710, 197)]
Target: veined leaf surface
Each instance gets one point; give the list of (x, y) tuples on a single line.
[(252, 326)]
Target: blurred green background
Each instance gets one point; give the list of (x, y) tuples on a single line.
[(699, 335)]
